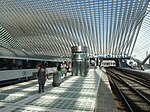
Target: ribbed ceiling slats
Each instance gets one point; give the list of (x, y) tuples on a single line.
[(88, 31), (123, 25), (46, 27), (126, 27), (133, 28), (136, 26), (130, 28)]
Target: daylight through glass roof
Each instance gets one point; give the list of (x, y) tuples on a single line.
[(109, 28)]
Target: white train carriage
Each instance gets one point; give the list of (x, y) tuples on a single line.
[(108, 63), (6, 75)]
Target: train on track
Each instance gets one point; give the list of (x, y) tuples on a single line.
[(16, 70), (108, 63)]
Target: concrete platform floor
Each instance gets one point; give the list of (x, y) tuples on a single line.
[(105, 99), (76, 94)]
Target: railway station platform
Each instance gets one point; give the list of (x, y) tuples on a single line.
[(75, 94)]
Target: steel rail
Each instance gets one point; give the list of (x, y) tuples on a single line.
[(120, 80), (121, 94)]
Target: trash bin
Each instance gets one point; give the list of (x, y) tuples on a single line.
[(56, 79)]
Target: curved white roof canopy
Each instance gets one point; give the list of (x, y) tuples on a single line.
[(111, 28)]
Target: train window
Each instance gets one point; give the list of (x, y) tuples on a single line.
[(13, 64), (3, 64)]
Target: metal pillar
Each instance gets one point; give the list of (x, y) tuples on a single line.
[(80, 64)]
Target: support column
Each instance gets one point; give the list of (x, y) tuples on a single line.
[(80, 62)]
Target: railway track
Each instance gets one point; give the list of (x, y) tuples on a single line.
[(134, 94)]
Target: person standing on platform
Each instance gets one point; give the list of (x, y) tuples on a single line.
[(42, 75), (59, 67), (65, 70), (142, 67)]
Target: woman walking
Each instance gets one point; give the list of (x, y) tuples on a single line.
[(42, 75)]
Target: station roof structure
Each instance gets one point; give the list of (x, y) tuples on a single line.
[(49, 28)]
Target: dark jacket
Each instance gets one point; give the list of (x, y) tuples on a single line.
[(59, 67), (41, 76)]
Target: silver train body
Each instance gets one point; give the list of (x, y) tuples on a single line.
[(108, 63), (13, 70), (14, 76)]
